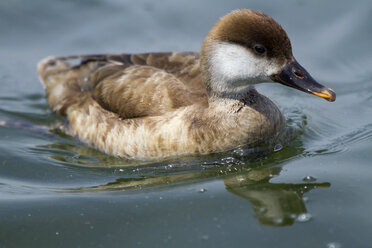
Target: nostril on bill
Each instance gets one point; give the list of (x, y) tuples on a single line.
[(298, 74)]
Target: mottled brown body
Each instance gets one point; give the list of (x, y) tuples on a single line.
[(153, 105)]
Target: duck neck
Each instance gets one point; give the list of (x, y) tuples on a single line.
[(217, 91), (222, 83), (244, 95)]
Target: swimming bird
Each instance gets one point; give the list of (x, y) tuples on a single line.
[(156, 105)]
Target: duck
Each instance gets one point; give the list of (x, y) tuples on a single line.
[(158, 105)]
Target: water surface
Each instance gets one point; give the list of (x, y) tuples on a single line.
[(314, 191)]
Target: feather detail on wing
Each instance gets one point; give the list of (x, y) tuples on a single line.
[(130, 85)]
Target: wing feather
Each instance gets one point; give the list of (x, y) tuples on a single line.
[(131, 85)]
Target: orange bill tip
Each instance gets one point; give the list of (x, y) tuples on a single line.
[(327, 94)]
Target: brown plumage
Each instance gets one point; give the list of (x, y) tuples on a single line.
[(161, 104), (249, 28)]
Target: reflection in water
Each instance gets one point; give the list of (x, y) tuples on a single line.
[(275, 204)]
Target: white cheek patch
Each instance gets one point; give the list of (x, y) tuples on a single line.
[(234, 67)]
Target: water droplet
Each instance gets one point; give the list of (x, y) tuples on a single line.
[(278, 147), (160, 197), (305, 217), (333, 245), (278, 221), (309, 179), (204, 237), (305, 199), (57, 233), (292, 216), (240, 179), (202, 190), (261, 210)]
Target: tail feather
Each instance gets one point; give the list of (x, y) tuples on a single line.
[(60, 81), (66, 78), (50, 66)]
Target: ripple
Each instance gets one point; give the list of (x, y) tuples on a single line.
[(342, 143)]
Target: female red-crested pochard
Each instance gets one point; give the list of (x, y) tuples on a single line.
[(156, 105)]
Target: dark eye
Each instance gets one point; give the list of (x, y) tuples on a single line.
[(259, 49)]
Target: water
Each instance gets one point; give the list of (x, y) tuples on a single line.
[(312, 192)]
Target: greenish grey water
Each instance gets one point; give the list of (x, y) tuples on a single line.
[(314, 192)]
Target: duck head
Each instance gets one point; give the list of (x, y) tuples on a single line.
[(247, 47)]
